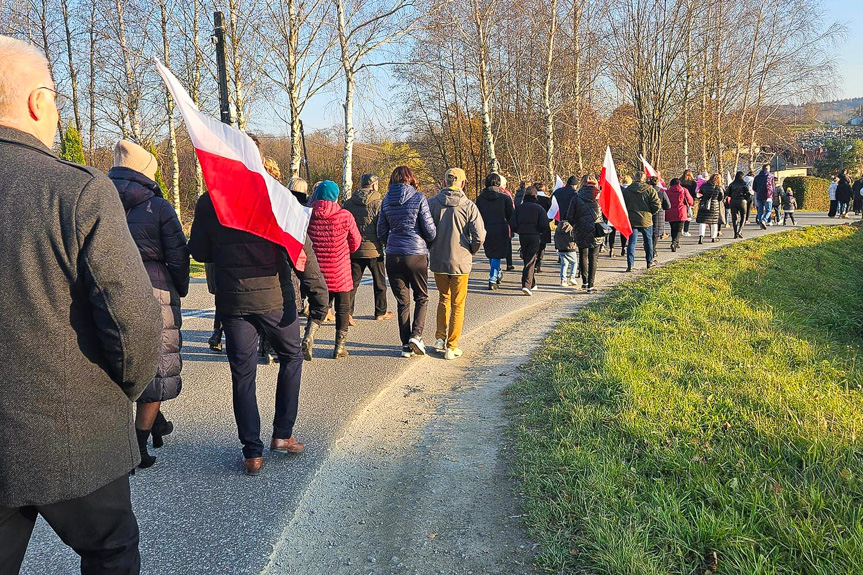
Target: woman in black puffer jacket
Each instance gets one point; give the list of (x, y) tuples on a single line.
[(738, 191), (159, 236), (709, 205), (585, 215)]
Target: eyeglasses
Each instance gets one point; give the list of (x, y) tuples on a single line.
[(60, 100)]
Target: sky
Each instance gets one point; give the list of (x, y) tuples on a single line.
[(324, 111), (849, 12)]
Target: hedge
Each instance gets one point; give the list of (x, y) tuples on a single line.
[(811, 193)]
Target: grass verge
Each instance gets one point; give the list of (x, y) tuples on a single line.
[(705, 418), (196, 269)]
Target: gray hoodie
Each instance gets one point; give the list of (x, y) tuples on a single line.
[(460, 232)]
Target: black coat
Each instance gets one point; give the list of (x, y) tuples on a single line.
[(710, 204), (81, 328), (545, 202), (843, 190), (496, 209), (159, 236), (583, 214), (529, 219), (251, 274)]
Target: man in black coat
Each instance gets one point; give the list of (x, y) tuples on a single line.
[(254, 292), (80, 338), (530, 222)]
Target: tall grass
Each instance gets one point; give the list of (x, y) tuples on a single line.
[(705, 418)]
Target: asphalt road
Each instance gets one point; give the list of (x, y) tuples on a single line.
[(199, 514)]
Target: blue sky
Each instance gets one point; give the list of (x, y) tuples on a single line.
[(849, 12), (325, 111)]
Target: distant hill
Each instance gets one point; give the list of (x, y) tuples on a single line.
[(840, 111)]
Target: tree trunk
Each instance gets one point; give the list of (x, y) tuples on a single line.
[(91, 85), (546, 96), (73, 74), (131, 84), (237, 65), (348, 104), (196, 89), (169, 109), (485, 88)]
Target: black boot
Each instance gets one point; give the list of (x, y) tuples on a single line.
[(161, 427), (215, 341), (340, 352), (309, 339), (147, 460), (700, 240)]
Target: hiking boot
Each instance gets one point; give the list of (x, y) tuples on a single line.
[(309, 340), (339, 352)]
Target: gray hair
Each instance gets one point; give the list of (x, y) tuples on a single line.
[(19, 62)]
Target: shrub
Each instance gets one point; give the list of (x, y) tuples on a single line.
[(71, 147), (811, 193)]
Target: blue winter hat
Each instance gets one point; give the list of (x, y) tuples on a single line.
[(328, 191)]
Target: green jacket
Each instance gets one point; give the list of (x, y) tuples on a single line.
[(642, 201)]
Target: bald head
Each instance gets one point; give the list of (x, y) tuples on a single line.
[(26, 90)]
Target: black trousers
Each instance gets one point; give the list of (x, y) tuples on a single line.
[(509, 252), (611, 238), (409, 273), (530, 246), (341, 303), (833, 206), (100, 527), (676, 229), (241, 337), (378, 270), (587, 264), (738, 215), (788, 215), (540, 254)]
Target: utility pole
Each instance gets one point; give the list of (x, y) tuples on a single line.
[(222, 66)]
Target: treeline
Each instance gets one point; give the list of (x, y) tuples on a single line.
[(529, 88)]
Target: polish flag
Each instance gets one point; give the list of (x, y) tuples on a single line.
[(611, 197), (554, 210), (244, 195), (650, 172)]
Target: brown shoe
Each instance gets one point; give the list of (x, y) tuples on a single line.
[(351, 321), (253, 465), (388, 315), (289, 445)]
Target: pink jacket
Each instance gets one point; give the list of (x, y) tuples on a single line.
[(680, 200), (335, 236)]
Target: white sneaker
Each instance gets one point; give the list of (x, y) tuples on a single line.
[(687, 235), (406, 351), (526, 291), (453, 354), (440, 345), (573, 281), (417, 346), (564, 283)]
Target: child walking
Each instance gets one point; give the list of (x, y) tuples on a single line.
[(789, 204)]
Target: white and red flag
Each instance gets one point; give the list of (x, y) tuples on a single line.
[(244, 195), (554, 210), (650, 172), (611, 197)]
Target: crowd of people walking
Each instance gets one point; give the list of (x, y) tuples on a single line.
[(96, 268)]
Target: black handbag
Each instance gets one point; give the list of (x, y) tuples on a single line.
[(601, 230)]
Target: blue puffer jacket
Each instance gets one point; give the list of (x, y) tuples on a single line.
[(405, 224)]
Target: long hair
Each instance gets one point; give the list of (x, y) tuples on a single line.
[(738, 177), (715, 180), (404, 175), (687, 176)]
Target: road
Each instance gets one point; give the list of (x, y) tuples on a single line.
[(199, 514)]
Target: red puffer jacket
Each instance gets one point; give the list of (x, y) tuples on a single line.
[(334, 236)]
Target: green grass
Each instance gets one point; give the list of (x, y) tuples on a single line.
[(713, 406), (196, 269)]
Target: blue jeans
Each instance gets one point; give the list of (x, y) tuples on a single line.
[(764, 209), (647, 236), (568, 263), (494, 270)]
